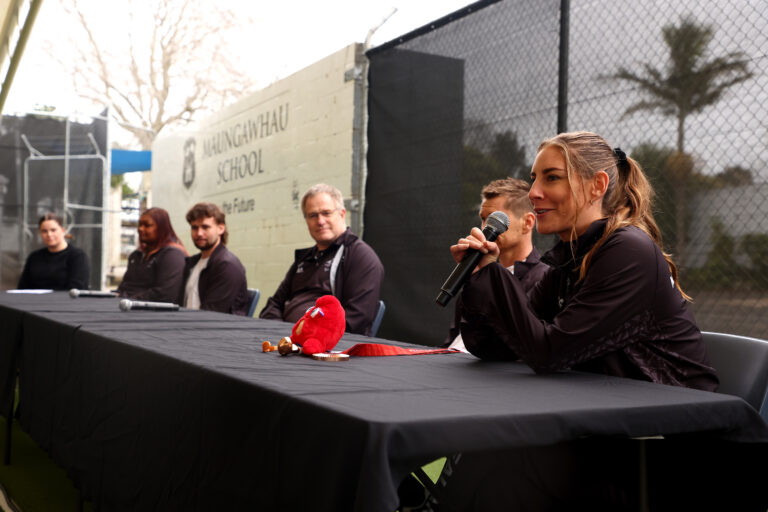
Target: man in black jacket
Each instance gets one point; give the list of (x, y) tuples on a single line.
[(339, 264), (517, 253), (214, 279)]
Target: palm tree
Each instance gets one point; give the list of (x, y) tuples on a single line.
[(690, 82)]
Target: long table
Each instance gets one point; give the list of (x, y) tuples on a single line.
[(182, 410)]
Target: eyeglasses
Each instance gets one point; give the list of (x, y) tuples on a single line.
[(326, 214)]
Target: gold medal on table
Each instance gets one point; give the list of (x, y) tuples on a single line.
[(330, 357)]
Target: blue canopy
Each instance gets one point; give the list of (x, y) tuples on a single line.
[(130, 161)]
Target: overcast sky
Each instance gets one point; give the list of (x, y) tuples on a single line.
[(282, 37)]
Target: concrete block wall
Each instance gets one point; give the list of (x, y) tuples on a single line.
[(309, 141)]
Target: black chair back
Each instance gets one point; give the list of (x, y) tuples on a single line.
[(253, 299), (742, 366)]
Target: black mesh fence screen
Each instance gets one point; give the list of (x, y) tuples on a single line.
[(76, 192), (681, 86)]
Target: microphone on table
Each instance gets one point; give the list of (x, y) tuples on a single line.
[(128, 304), (75, 293), (496, 224)]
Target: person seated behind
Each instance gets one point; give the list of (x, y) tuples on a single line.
[(516, 251), (339, 264), (155, 269), (58, 265), (610, 304), (214, 279)]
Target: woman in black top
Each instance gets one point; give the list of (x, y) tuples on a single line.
[(58, 265), (156, 268), (611, 303)]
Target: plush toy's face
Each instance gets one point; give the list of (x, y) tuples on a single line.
[(311, 313), (321, 327)]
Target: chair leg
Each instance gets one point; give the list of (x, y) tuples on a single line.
[(642, 491), (434, 490)]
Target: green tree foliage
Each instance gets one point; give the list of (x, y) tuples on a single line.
[(504, 158), (690, 81), (478, 169), (655, 162), (117, 180), (510, 155), (733, 176), (755, 246), (720, 266)]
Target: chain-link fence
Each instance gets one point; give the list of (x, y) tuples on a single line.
[(55, 165), (681, 86)]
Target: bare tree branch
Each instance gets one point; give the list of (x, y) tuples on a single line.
[(158, 76)]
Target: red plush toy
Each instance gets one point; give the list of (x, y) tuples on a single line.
[(321, 327)]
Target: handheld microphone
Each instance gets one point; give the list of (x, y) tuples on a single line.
[(75, 293), (128, 304), (496, 224)]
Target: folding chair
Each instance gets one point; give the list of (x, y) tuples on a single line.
[(253, 297)]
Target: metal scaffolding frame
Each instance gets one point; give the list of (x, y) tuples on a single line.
[(28, 230)]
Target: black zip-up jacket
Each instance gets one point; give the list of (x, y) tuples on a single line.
[(356, 282), (222, 285), (156, 278), (528, 272), (625, 318)]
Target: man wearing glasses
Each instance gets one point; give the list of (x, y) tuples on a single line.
[(339, 264)]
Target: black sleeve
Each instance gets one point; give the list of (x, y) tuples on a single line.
[(168, 272), (124, 289), (274, 308), (607, 312), (226, 280), (363, 275), (78, 272), (162, 284)]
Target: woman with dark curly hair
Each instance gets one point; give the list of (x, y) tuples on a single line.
[(156, 268)]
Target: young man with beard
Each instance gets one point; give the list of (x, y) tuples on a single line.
[(214, 279)]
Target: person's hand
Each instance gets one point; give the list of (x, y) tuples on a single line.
[(476, 240)]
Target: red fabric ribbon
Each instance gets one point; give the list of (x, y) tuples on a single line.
[(379, 349)]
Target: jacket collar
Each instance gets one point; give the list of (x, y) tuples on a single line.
[(218, 250), (522, 267), (568, 255), (346, 238)]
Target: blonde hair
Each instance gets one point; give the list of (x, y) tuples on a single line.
[(628, 197), (514, 192)]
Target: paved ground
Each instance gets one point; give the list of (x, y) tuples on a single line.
[(732, 311)]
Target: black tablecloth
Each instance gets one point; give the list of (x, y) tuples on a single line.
[(182, 411)]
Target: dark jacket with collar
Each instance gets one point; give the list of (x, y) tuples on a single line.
[(625, 318), (356, 282), (528, 272), (156, 278), (222, 285)]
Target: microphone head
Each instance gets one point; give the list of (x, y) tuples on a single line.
[(125, 304), (498, 222), (74, 293)]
